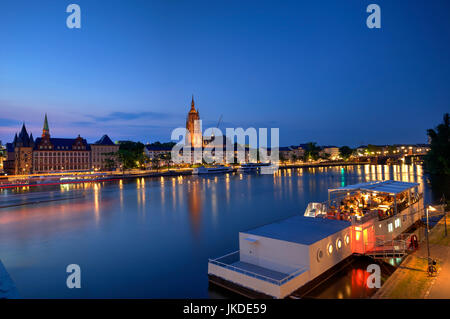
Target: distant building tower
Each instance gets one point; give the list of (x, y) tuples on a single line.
[(45, 130), (23, 147), (52, 154), (45, 143), (193, 127)]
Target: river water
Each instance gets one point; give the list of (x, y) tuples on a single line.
[(152, 237)]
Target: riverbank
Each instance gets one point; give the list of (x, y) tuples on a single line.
[(107, 176), (322, 164), (153, 173), (411, 279), (121, 228)]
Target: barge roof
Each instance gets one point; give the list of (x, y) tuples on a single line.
[(389, 186), (300, 229)]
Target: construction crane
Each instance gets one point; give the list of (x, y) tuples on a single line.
[(218, 123), (220, 120)]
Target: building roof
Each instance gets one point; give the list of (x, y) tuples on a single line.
[(389, 186), (105, 140), (23, 139), (65, 143), (300, 229), (46, 123)]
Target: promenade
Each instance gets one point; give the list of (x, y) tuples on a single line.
[(411, 280)]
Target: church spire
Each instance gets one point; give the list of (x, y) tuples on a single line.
[(45, 130), (192, 103)]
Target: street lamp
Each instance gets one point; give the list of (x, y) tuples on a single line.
[(427, 231), (445, 214)]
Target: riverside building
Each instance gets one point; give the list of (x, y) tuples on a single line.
[(46, 154)]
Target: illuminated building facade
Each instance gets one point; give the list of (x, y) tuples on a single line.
[(60, 154), (26, 155), (193, 127), (2, 156), (23, 153), (102, 154)]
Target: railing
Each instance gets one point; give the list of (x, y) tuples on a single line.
[(316, 209), (386, 248), (326, 211), (235, 256)]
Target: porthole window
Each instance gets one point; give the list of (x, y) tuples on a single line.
[(319, 254), (347, 239), (330, 249), (338, 244)]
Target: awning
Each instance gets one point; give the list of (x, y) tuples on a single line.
[(391, 187)]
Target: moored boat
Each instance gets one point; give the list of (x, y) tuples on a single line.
[(252, 167), (211, 170), (275, 260)]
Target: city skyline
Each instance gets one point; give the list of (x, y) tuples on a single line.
[(283, 67), (93, 140)]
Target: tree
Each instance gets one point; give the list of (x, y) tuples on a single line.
[(325, 156), (131, 154), (373, 149), (155, 162), (437, 161), (111, 160), (294, 157), (345, 152), (311, 151), (167, 145)]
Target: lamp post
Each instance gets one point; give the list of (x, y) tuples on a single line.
[(445, 214), (428, 244)]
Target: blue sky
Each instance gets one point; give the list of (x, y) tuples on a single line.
[(311, 68)]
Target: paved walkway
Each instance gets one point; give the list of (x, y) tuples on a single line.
[(411, 280), (441, 287)]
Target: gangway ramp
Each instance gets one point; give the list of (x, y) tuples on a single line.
[(387, 249)]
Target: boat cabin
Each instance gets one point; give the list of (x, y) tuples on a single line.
[(381, 199)]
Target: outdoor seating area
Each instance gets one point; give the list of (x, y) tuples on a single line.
[(382, 199)]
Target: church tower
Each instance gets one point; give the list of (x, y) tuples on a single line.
[(45, 130), (193, 127), (23, 156)]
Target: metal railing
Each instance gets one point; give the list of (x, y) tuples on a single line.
[(324, 211), (235, 256), (386, 248)]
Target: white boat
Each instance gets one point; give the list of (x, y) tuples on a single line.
[(211, 170), (252, 167), (276, 259)]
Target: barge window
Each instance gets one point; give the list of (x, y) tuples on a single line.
[(330, 249), (347, 239), (390, 228), (338, 244), (319, 255)]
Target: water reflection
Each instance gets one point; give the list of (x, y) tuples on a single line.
[(350, 281), (195, 204), (158, 231)]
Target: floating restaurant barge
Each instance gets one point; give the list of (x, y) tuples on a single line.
[(277, 259)]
